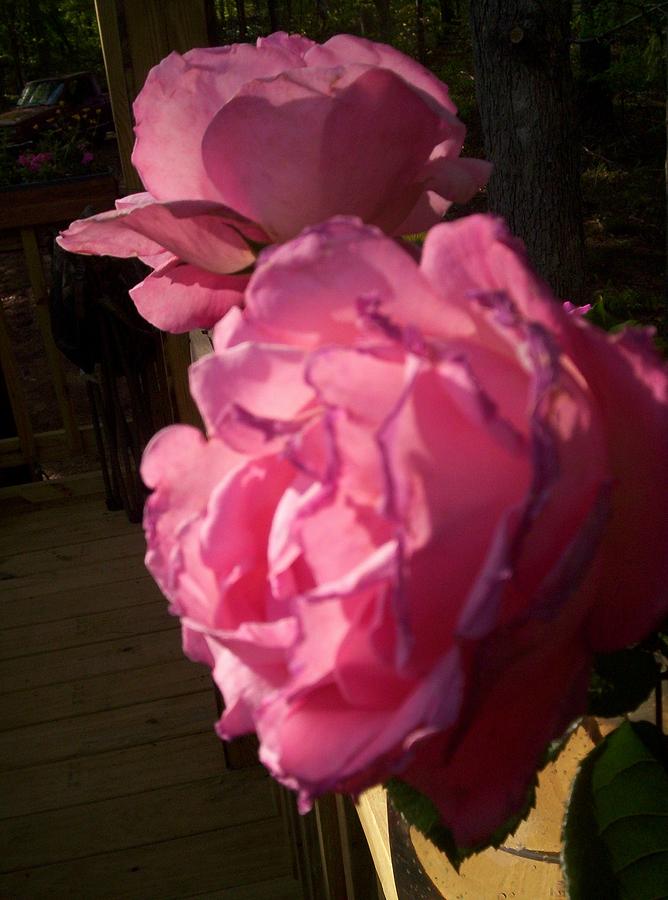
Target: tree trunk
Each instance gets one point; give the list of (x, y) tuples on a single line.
[(287, 16), (214, 14), (419, 31), (241, 19), (273, 15), (524, 87)]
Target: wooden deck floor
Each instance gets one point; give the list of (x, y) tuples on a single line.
[(112, 783)]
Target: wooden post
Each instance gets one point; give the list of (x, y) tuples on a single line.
[(176, 348), (358, 865), (16, 394), (38, 285), (120, 93), (135, 37), (331, 851)]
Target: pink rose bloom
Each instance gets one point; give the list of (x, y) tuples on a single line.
[(421, 507), (576, 310), (87, 157), (245, 145)]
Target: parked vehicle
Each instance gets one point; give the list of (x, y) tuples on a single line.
[(52, 104)]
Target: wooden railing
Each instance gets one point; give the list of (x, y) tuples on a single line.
[(24, 210)]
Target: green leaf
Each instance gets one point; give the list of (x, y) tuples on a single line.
[(615, 832), (621, 681), (599, 315), (661, 638)]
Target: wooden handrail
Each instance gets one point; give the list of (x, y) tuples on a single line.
[(55, 361)]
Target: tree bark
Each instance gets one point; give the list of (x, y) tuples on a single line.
[(273, 15), (241, 19), (525, 92), (214, 14), (421, 44)]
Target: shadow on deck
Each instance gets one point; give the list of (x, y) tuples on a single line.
[(113, 783)]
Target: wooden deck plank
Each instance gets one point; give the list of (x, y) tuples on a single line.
[(120, 823), (276, 889), (229, 857), (68, 558), (103, 693), (56, 490), (18, 513), (87, 522), (73, 577), (113, 594), (85, 779), (113, 783), (100, 732), (87, 660), (145, 617)]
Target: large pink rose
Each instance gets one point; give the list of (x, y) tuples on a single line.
[(245, 145), (427, 497)]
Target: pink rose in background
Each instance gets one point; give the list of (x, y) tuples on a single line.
[(245, 145), (576, 310), (427, 497)]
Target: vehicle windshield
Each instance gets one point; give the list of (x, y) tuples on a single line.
[(41, 93)]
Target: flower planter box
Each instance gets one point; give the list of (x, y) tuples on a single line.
[(47, 202), (526, 866)]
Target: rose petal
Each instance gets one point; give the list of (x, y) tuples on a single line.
[(293, 43), (179, 297), (238, 555), (205, 234), (225, 386), (290, 137), (320, 741), (477, 254), (345, 49), (429, 210), (182, 468), (174, 108), (630, 384), (306, 292), (249, 673), (456, 179)]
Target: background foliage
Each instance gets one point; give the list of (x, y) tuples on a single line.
[(46, 37)]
